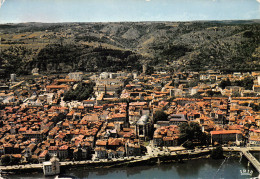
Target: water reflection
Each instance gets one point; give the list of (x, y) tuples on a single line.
[(191, 169)]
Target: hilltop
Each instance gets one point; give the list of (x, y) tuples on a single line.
[(63, 47)]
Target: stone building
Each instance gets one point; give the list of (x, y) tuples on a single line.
[(226, 136), (51, 167), (143, 128)]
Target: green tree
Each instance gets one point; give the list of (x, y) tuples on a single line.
[(83, 91), (192, 132), (247, 83), (14, 161), (188, 145), (224, 83), (5, 159), (47, 157), (14, 59), (193, 82), (197, 95), (34, 160), (217, 153), (160, 115)]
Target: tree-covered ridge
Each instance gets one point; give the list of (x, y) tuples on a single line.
[(227, 46), (14, 59), (84, 58), (65, 58)]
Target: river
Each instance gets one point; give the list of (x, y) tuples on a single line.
[(191, 169)]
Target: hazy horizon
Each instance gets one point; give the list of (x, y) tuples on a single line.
[(59, 11)]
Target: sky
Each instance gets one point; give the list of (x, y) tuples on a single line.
[(17, 11)]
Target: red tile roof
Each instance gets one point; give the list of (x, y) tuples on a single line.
[(226, 132)]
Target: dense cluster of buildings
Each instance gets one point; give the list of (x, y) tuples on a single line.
[(118, 118)]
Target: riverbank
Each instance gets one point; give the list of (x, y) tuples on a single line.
[(175, 156), (204, 167)]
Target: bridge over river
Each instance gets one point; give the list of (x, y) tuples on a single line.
[(251, 158), (246, 152)]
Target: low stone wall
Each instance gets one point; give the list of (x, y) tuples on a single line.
[(130, 162), (162, 159)]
